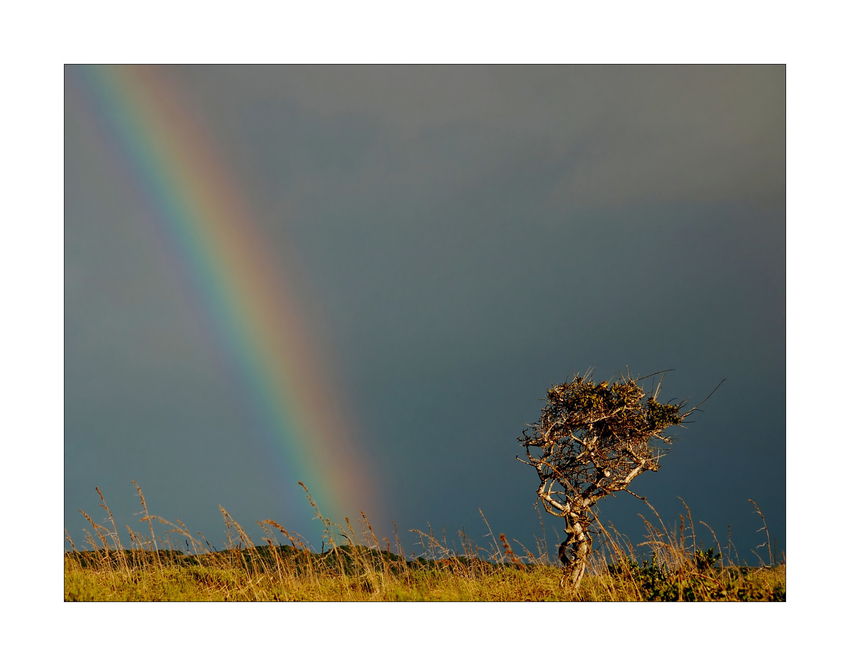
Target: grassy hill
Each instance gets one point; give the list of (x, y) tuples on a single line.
[(360, 568)]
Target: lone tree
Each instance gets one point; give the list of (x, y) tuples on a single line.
[(593, 440)]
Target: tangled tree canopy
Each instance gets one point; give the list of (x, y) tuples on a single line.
[(593, 440)]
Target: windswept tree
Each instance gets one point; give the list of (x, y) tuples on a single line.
[(593, 440)]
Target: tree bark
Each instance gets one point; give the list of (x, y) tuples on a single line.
[(575, 551)]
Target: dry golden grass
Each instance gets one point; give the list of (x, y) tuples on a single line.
[(358, 567)]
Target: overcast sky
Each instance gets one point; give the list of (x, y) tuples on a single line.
[(465, 237)]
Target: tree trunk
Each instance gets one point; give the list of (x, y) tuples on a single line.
[(575, 551)]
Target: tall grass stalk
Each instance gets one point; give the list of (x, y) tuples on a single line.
[(354, 565)]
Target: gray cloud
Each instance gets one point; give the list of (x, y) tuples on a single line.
[(641, 134)]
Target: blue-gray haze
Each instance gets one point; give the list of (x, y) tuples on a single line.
[(468, 236)]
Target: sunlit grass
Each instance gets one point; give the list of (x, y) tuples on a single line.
[(177, 566)]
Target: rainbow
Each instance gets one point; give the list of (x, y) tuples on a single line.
[(144, 126)]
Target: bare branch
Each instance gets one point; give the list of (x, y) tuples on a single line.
[(694, 409), (660, 372)]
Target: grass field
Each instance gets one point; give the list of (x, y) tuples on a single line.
[(176, 566)]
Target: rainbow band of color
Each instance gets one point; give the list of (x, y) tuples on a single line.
[(198, 204)]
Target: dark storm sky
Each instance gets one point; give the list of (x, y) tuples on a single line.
[(467, 236)]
